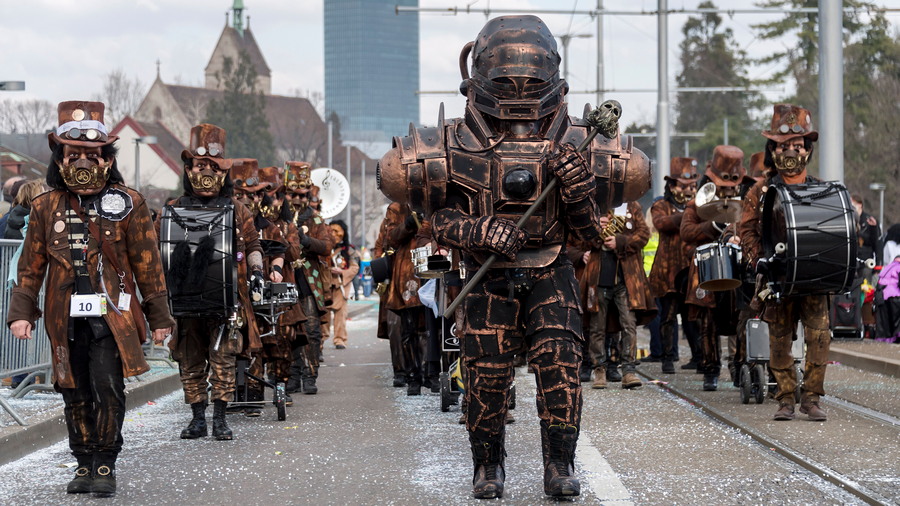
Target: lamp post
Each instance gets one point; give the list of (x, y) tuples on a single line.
[(879, 187), (147, 139), (12, 85)]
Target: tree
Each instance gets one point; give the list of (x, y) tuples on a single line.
[(241, 111), (711, 57), (871, 87), (121, 95)]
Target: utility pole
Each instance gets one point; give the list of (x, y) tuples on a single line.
[(599, 53), (349, 215), (831, 91), (565, 39), (662, 106), (362, 196)]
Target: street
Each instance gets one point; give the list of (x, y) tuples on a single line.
[(360, 441)]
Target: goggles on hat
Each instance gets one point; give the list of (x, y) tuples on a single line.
[(213, 150), (729, 177), (797, 129), (687, 175), (86, 130), (251, 181)]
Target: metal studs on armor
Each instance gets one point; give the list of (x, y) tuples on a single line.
[(519, 183)]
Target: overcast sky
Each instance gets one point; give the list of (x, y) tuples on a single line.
[(63, 48)]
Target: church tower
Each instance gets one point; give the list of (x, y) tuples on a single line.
[(235, 39)]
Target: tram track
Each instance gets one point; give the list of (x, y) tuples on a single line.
[(818, 469)]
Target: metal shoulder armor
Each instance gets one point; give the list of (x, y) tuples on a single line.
[(414, 171)]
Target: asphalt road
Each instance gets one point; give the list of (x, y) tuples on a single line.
[(360, 441)]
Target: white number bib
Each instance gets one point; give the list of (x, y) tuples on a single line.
[(88, 305)]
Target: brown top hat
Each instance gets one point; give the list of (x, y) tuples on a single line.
[(245, 175), (683, 170), (296, 176), (727, 166), (757, 169), (271, 177), (790, 121), (207, 143), (81, 124)]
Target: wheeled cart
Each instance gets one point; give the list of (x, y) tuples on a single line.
[(754, 380)]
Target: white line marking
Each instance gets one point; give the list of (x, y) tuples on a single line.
[(603, 481)]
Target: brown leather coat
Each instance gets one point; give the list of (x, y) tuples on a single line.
[(315, 260), (47, 254), (629, 251), (695, 231), (294, 314), (671, 257), (246, 241), (403, 291)]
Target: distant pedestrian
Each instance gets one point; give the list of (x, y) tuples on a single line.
[(15, 219)]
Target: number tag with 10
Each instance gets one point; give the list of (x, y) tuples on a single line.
[(88, 305)]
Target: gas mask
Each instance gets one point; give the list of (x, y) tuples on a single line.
[(683, 194), (269, 209), (790, 162), (85, 174), (206, 180)]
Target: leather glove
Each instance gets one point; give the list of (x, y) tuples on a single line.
[(762, 266), (305, 241), (497, 235), (257, 286), (576, 181)]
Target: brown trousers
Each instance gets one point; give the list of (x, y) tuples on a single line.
[(812, 312), (199, 360)]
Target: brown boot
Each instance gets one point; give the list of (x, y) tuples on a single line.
[(785, 411), (599, 378), (811, 409), (631, 380)]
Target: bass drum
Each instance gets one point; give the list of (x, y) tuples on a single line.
[(809, 230), (197, 250)]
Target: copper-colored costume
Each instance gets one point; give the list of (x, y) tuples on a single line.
[(475, 176), (90, 355), (387, 330), (725, 170), (782, 315)]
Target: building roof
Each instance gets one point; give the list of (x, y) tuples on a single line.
[(167, 146), (30, 167), (246, 43)]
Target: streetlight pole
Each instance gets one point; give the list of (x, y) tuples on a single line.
[(12, 85), (879, 187), (147, 139), (565, 39)]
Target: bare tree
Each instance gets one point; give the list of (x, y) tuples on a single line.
[(122, 96), (26, 116)]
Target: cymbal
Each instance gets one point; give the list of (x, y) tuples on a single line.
[(721, 210)]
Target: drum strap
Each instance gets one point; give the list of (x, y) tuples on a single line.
[(110, 257)]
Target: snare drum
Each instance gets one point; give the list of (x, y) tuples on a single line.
[(718, 267), (278, 295), (427, 265), (810, 230), (212, 292)]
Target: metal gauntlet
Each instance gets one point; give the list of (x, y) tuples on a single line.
[(497, 235), (576, 180)]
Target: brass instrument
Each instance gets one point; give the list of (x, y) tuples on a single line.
[(616, 225)]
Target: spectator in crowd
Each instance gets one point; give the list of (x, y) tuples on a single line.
[(13, 191), (17, 217), (892, 243), (6, 202)]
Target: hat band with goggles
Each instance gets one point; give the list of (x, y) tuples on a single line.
[(797, 129), (88, 129)]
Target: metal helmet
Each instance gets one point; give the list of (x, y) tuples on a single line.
[(515, 70)]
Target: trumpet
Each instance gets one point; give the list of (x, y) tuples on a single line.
[(615, 226)]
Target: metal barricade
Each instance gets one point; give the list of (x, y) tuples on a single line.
[(27, 356)]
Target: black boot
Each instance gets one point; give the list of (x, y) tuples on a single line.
[(584, 374), (488, 456), (220, 426), (83, 481), (710, 382), (104, 480), (309, 386), (197, 427), (559, 460)]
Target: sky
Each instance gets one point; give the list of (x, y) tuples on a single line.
[(64, 48)]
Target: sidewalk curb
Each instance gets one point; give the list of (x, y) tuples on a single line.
[(52, 428), (866, 362)]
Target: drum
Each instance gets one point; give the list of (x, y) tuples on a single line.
[(199, 235), (718, 267), (278, 295), (429, 266), (809, 232)]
